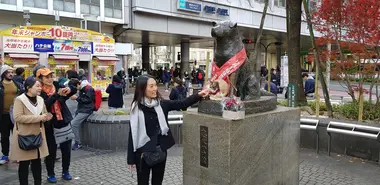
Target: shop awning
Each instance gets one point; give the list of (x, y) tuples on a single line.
[(108, 58), (24, 56), (66, 57)]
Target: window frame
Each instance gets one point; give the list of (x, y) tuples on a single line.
[(65, 1), (113, 8), (47, 6), (89, 5), (1, 2), (278, 3)]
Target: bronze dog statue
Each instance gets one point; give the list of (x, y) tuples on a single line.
[(229, 44)]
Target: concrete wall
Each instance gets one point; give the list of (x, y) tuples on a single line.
[(246, 13)]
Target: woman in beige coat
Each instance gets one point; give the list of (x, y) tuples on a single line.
[(29, 113)]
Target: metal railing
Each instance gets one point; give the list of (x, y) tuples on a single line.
[(176, 119), (311, 124), (352, 130)]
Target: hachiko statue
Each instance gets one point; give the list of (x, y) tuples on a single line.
[(230, 56)]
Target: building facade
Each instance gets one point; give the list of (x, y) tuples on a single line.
[(148, 24)]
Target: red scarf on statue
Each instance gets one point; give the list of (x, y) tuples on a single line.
[(56, 108), (228, 68)]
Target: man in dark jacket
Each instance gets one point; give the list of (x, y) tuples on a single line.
[(309, 85), (115, 91), (9, 90), (122, 76), (273, 86), (166, 79), (86, 103), (178, 93), (19, 77)]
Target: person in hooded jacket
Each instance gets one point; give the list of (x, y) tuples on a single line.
[(178, 92), (86, 101), (115, 91)]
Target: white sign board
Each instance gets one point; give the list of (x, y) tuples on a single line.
[(284, 71), (17, 44)]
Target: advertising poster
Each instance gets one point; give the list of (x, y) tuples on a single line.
[(284, 71), (14, 44), (57, 33), (62, 46), (104, 49)]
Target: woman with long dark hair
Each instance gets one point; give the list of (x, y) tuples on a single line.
[(149, 134), (29, 114), (58, 130)]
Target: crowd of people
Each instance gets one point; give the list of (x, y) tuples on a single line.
[(273, 84), (35, 111), (166, 76)]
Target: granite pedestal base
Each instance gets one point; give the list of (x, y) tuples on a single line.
[(262, 149), (265, 103)]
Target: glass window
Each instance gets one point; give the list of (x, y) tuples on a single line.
[(64, 5), (36, 3), (90, 7), (280, 3), (203, 55), (12, 2), (113, 8)]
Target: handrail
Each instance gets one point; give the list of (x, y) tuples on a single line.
[(352, 130), (311, 124)]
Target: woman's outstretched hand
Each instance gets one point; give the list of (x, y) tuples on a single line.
[(204, 93)]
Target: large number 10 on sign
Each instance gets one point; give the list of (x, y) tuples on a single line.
[(56, 32)]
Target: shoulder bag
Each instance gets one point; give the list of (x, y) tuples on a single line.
[(153, 158), (29, 142), (63, 134)]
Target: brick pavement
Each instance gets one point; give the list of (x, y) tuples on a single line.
[(89, 167)]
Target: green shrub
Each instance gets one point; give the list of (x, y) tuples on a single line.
[(116, 112), (282, 102), (351, 111), (313, 104)]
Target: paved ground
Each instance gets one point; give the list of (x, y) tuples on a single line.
[(96, 167)]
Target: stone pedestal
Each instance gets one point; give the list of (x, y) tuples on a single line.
[(261, 149)]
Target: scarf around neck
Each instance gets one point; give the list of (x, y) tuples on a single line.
[(137, 123), (56, 108), (35, 109)]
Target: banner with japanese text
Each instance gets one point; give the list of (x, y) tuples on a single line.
[(62, 46), (104, 49), (16, 44), (57, 33)]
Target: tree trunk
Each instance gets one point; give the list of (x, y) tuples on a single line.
[(256, 65), (317, 62), (377, 95), (293, 18)]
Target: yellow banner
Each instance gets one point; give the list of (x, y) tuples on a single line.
[(9, 61), (57, 32)]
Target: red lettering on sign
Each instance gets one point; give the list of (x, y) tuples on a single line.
[(14, 31)]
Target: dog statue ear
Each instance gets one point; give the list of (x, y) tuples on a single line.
[(233, 25), (214, 23)]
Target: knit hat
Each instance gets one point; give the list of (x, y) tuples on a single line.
[(4, 68)]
